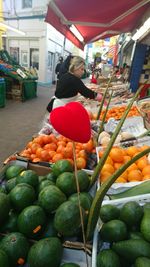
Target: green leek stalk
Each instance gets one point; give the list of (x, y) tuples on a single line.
[(100, 194), (103, 99), (99, 166), (104, 117)]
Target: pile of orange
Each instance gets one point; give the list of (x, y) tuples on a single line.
[(50, 148), (117, 112), (138, 171)]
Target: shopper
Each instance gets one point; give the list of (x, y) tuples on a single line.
[(70, 85), (65, 66), (126, 72), (58, 66)]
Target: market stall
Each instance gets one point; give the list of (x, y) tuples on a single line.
[(20, 82), (45, 168), (77, 163)]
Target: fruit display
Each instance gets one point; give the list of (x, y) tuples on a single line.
[(51, 148), (12, 69), (138, 171), (117, 112), (123, 239), (39, 213)]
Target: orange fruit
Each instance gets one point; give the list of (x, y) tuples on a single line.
[(79, 146), (39, 140), (126, 159), (141, 163), (51, 146), (29, 144), (133, 166), (33, 156), (146, 177), (68, 152), (117, 165), (51, 153), (100, 153), (132, 150), (82, 154), (34, 147), (44, 155), (146, 170), (60, 148), (144, 147), (25, 153), (103, 177), (57, 157), (109, 160), (124, 152), (69, 144), (71, 161), (38, 152), (134, 175), (63, 143), (81, 163), (107, 168), (125, 175), (36, 160), (88, 146), (52, 138), (46, 139), (120, 179), (116, 154)]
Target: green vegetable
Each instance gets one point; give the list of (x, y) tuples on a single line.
[(145, 224), (142, 188), (132, 249)]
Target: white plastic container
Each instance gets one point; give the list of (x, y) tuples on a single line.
[(141, 199)]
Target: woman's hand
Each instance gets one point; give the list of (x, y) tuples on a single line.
[(99, 99)]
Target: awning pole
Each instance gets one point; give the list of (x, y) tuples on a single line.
[(133, 51)]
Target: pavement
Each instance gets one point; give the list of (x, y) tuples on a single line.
[(19, 121)]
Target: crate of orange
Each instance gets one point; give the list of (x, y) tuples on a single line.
[(51, 148), (118, 156)]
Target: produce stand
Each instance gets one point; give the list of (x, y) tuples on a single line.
[(47, 147), (20, 83)]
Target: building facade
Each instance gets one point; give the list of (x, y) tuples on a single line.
[(41, 45)]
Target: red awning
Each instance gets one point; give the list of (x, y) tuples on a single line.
[(95, 19)]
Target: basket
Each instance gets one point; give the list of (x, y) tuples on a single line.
[(141, 199)]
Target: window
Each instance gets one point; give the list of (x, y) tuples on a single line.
[(50, 60), (34, 58), (24, 58), (14, 53), (26, 3)]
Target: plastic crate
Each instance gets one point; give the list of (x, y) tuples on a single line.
[(120, 187), (2, 93), (29, 89), (141, 199)]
